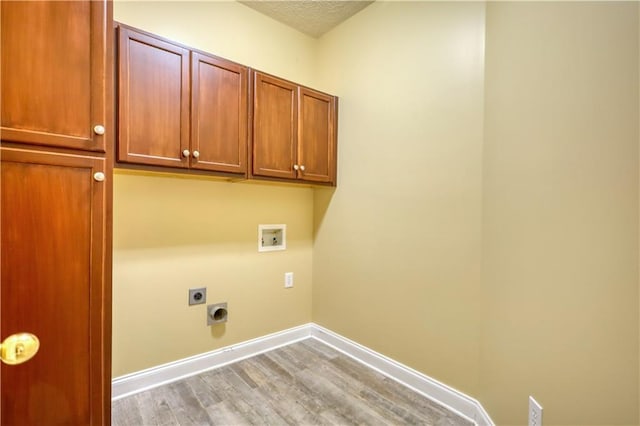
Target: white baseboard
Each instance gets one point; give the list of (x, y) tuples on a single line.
[(457, 401), (157, 376), (454, 400)]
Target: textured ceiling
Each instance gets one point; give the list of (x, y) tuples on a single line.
[(312, 17)]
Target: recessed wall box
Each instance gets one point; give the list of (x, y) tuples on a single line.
[(272, 237)]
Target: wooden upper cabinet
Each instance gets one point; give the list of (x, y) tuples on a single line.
[(294, 131), (316, 136), (219, 114), (275, 121), (54, 85), (153, 100), (180, 108)]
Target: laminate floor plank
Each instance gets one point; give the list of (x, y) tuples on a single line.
[(203, 391), (305, 383), (390, 402), (224, 413), (154, 409), (125, 411), (298, 407), (384, 386), (343, 403), (186, 405), (392, 411)]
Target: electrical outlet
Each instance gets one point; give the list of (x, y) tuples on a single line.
[(288, 279), (535, 412), (197, 296)]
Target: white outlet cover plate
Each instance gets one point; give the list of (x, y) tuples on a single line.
[(535, 412), (288, 279)]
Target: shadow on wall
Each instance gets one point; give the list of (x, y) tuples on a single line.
[(321, 200), (155, 211)]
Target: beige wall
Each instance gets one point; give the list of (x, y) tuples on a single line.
[(228, 29), (396, 262), (560, 216), (172, 233), (545, 198), (485, 228)]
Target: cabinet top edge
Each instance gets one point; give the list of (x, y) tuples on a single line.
[(251, 70), (254, 71), (118, 25)]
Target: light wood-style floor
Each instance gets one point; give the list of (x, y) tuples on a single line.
[(306, 383)]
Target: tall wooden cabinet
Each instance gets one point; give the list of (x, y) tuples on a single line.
[(54, 65), (180, 107), (55, 178), (294, 131)]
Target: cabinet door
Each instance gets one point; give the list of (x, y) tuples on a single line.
[(54, 85), (153, 100), (274, 127), (316, 136), (53, 264), (218, 114)]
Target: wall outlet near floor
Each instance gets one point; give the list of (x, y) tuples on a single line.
[(535, 412), (197, 296), (288, 279)]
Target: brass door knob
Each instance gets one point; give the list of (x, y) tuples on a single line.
[(19, 348)]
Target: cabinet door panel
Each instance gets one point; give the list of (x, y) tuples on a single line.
[(53, 72), (218, 114), (275, 127), (154, 101), (316, 138), (52, 260)]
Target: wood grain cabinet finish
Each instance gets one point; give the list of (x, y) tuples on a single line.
[(53, 232), (294, 131), (53, 79), (219, 114), (180, 108), (153, 100), (275, 125), (55, 219), (316, 136)]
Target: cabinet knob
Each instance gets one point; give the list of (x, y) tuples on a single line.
[(295, 167), (185, 153), (98, 177), (302, 168), (98, 129), (195, 154)]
